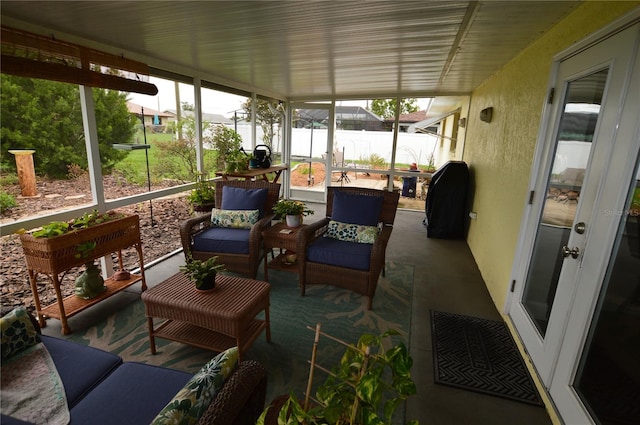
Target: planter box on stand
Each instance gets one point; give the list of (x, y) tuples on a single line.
[(53, 256)]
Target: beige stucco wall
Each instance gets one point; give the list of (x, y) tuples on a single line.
[(500, 153)]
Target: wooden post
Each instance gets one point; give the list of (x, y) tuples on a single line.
[(26, 171)]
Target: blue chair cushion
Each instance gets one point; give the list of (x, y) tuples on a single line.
[(356, 209), (237, 198), (133, 394), (219, 239), (8, 420), (339, 253), (80, 367)]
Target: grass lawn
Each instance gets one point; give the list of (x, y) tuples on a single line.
[(134, 166)]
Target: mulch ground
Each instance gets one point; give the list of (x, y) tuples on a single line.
[(160, 236)]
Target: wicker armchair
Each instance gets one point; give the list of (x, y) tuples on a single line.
[(241, 252), (362, 280)]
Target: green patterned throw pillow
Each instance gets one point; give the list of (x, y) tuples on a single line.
[(235, 219), (18, 332), (194, 398), (352, 232)]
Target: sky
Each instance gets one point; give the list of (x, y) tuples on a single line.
[(213, 102)]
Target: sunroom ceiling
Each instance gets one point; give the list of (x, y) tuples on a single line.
[(305, 50)]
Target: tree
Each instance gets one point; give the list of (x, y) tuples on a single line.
[(46, 116), (179, 156), (267, 116), (386, 108)]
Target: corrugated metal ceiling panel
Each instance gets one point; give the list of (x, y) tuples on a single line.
[(313, 48)]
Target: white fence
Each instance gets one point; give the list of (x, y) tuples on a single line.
[(357, 145)]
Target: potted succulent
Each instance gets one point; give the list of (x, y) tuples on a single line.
[(291, 211), (202, 272), (366, 387), (203, 195)]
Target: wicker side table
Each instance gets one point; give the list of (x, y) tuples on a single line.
[(283, 237), (215, 320)]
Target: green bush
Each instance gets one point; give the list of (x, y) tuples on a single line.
[(6, 202), (375, 161), (8, 179)]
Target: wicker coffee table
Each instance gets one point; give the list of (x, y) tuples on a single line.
[(215, 320)]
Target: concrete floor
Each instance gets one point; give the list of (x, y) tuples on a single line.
[(446, 278)]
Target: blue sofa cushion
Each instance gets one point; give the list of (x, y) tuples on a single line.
[(8, 420), (339, 253), (356, 209), (218, 239), (133, 394), (80, 367), (237, 198)]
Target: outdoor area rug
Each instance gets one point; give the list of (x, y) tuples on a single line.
[(342, 314), (479, 355)]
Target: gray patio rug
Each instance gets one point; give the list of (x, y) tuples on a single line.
[(479, 355), (342, 313)]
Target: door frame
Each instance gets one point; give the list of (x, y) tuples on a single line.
[(568, 353), (568, 359), (306, 195), (541, 152)]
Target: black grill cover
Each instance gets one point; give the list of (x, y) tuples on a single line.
[(445, 206)]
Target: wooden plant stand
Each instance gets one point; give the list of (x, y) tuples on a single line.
[(54, 256)]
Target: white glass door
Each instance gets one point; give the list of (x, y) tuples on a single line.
[(566, 241), (597, 376)]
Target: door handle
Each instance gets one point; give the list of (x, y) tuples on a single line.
[(573, 252)]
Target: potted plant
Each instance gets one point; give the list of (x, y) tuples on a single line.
[(291, 211), (202, 272), (203, 195), (366, 387), (236, 162), (226, 142)]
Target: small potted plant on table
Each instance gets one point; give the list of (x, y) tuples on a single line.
[(203, 272), (291, 211)]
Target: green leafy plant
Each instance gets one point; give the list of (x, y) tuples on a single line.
[(85, 248), (366, 387), (198, 270), (7, 201), (289, 207), (236, 161), (203, 193), (57, 228), (8, 179), (51, 230), (92, 218), (227, 142), (374, 161)]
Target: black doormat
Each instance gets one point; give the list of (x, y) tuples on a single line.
[(479, 355)]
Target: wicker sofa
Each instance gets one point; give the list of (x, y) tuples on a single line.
[(102, 389)]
